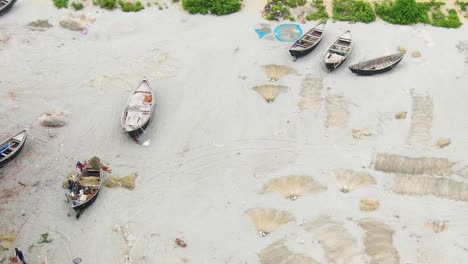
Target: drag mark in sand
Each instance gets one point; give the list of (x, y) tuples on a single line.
[(462, 47), (129, 239), (339, 245), (428, 185), (392, 163), (266, 220), (292, 187), (348, 180), (378, 242), (279, 253), (421, 121), (336, 108), (311, 89)]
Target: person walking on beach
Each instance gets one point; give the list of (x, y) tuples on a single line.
[(20, 256)]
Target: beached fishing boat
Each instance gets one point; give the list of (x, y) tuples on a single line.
[(308, 42), (138, 110), (6, 5), (84, 188), (11, 147), (378, 65), (339, 51)]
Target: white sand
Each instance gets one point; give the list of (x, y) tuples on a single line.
[(214, 140)]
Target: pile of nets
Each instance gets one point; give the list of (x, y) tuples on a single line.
[(288, 32), (127, 182)]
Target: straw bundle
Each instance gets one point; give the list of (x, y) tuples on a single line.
[(336, 107), (392, 163), (348, 180), (368, 205), (311, 89), (378, 242), (291, 187), (421, 121), (266, 220), (276, 72), (339, 245), (269, 92), (427, 185), (278, 253)]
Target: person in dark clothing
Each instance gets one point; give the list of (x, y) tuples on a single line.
[(20, 256), (79, 166)]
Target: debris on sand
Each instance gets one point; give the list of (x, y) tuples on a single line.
[(269, 92), (275, 72), (53, 119), (429, 185), (180, 242), (278, 252), (437, 226), (127, 182), (402, 49), (348, 180), (443, 142), (368, 205), (336, 107), (378, 242), (416, 54), (129, 239), (40, 25), (75, 23), (359, 133), (392, 163), (292, 187), (462, 47), (311, 93), (7, 240), (401, 115), (421, 121), (266, 220), (332, 235)]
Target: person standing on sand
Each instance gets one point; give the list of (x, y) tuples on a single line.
[(20, 256), (79, 166)]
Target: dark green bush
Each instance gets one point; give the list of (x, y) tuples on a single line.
[(403, 11), (320, 13), (77, 6), (462, 5), (353, 10), (107, 4), (61, 3), (130, 6), (215, 7), (441, 20)]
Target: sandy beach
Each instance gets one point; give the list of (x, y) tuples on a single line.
[(215, 142)]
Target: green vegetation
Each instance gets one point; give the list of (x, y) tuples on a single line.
[(61, 3), (279, 9), (320, 13), (441, 20), (353, 10), (77, 6), (407, 12), (107, 4), (462, 5), (129, 7), (214, 7)]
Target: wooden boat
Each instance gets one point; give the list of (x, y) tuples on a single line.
[(308, 42), (6, 5), (377, 65), (339, 51), (84, 189), (138, 110), (11, 147)]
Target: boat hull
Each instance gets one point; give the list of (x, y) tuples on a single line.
[(137, 132), (302, 53), (374, 72), (7, 8), (80, 208), (334, 66), (10, 158)]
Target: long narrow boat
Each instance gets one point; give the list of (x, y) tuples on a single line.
[(138, 110), (11, 147), (308, 42), (85, 189), (378, 65), (339, 51), (6, 5)]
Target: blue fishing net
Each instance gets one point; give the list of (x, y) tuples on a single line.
[(288, 32)]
